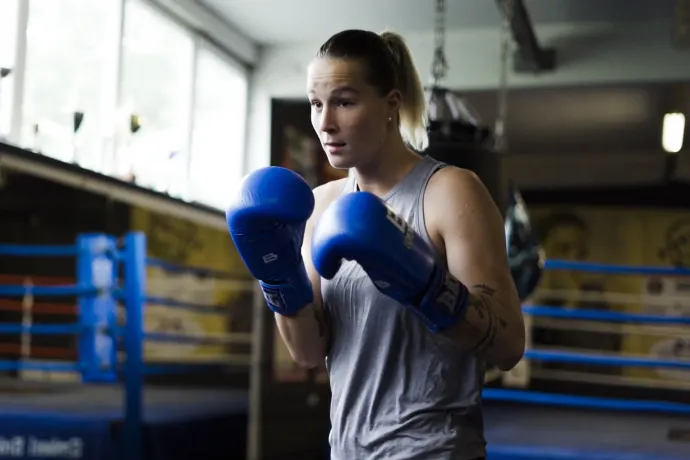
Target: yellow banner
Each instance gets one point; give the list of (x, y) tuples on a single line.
[(184, 243)]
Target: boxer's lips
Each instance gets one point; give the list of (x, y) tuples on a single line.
[(334, 147)]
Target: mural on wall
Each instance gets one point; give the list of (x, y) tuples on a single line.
[(625, 236), (567, 235), (671, 295), (184, 243), (300, 154), (303, 154), (676, 248), (172, 239)]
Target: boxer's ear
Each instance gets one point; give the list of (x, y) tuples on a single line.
[(394, 103)]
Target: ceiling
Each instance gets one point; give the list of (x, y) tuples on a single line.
[(279, 21), (618, 118)]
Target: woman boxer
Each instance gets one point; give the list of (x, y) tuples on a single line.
[(424, 296)]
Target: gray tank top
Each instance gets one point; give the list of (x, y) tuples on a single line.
[(398, 390)]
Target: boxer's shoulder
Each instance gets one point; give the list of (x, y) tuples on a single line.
[(468, 192), (451, 178), (450, 181)]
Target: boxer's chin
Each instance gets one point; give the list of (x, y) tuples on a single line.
[(341, 160)]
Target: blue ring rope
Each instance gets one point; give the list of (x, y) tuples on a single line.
[(43, 329), (183, 338), (601, 315), (553, 264), (590, 402), (210, 309), (206, 272), (585, 358), (521, 452), (7, 365), (21, 250), (57, 291), (181, 368)]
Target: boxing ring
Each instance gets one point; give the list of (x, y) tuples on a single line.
[(523, 421), (111, 410), (107, 410)]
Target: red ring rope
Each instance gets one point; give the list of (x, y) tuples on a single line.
[(39, 308), (15, 350), (37, 280)]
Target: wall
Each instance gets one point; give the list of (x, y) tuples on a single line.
[(588, 54), (591, 169)]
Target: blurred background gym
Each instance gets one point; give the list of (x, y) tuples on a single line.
[(142, 115)]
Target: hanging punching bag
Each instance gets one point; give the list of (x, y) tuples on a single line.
[(457, 137), (456, 134), (525, 254)]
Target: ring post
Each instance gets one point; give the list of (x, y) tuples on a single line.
[(97, 313), (135, 286)]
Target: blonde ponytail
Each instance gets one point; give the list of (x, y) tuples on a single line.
[(414, 115)]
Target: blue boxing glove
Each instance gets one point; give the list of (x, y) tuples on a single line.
[(360, 227), (266, 220)]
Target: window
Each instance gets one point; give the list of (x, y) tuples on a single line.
[(8, 32), (70, 50), (219, 124), (120, 87), (157, 60), (8, 35)]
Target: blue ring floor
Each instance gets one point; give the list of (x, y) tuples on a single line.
[(520, 432), (85, 421), (204, 424)]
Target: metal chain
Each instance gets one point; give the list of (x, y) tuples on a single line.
[(506, 44), (439, 67)]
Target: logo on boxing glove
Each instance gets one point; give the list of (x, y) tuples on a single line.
[(274, 298), (449, 293), (270, 257), (400, 224)]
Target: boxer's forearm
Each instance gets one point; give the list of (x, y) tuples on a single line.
[(305, 336), (492, 328)]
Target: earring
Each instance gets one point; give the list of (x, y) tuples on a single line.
[(390, 119)]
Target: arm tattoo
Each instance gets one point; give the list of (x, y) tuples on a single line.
[(481, 302), (486, 290)]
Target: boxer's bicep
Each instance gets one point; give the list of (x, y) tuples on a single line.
[(471, 228), (473, 235)]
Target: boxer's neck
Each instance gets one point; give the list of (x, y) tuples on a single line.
[(390, 166)]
